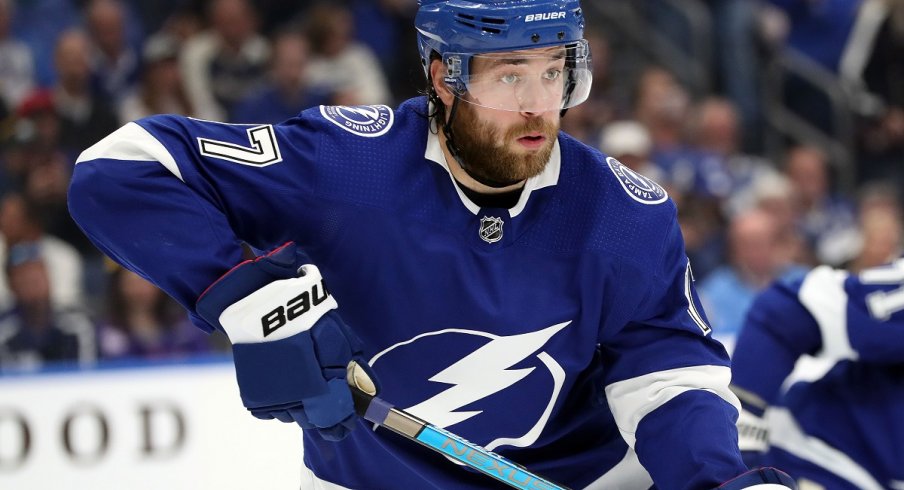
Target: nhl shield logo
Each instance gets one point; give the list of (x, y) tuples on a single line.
[(491, 229)]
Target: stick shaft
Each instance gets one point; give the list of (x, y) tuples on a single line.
[(380, 412)]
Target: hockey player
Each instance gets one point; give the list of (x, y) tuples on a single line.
[(501, 279), (834, 418)]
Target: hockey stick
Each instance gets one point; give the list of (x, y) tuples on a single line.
[(381, 412)]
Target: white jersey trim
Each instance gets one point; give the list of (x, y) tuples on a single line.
[(632, 399), (549, 176), (309, 481), (131, 142), (822, 293), (628, 474), (785, 434), (808, 369)]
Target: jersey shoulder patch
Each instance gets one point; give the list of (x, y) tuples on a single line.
[(642, 189), (368, 121)]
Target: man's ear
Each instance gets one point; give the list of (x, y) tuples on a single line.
[(437, 73)]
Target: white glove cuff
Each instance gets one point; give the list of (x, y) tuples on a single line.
[(278, 310), (753, 432)]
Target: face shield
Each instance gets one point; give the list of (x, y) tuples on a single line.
[(532, 80)]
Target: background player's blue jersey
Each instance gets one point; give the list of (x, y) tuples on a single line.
[(563, 333), (835, 415)]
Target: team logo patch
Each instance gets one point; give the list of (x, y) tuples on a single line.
[(369, 121), (491, 229), (469, 380), (640, 188)]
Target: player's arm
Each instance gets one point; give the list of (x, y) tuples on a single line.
[(145, 202), (667, 379), (828, 314), (874, 314), (133, 196), (778, 329)]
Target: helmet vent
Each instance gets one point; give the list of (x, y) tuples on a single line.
[(484, 24)]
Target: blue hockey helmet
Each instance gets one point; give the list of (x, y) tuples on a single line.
[(542, 38)]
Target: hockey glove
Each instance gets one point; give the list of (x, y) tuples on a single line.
[(290, 347), (753, 435), (760, 479)]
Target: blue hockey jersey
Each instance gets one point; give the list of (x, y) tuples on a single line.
[(825, 353), (563, 333)]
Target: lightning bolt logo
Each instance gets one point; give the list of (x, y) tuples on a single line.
[(367, 121), (368, 113), (480, 374)]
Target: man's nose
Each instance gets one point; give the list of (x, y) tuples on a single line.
[(534, 99)]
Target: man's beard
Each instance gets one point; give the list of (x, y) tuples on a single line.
[(487, 154)]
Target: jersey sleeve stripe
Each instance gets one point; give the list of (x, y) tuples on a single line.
[(822, 293), (131, 143), (786, 434), (628, 473), (632, 399)]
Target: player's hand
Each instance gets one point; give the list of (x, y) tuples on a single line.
[(290, 346), (761, 478)]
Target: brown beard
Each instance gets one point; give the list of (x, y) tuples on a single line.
[(487, 155)]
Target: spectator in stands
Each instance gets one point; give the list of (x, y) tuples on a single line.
[(40, 168), (160, 90), (182, 24), (663, 106), (774, 194), (754, 262), (629, 142), (339, 64), (698, 181), (827, 218), (716, 128), (34, 138), (285, 93), (226, 62), (881, 227), (143, 322), (881, 239), (21, 224), (702, 225), (731, 60), (115, 64), (33, 331), (38, 23), (85, 116), (16, 61)]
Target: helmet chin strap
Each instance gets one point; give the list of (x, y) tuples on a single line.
[(453, 150)]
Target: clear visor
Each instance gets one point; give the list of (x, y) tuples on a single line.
[(535, 80)]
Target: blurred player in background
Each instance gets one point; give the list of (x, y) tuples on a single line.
[(484, 261), (819, 367)]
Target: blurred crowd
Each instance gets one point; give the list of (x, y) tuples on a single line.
[(72, 71)]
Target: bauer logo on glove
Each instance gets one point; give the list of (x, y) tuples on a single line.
[(296, 307), (280, 317)]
